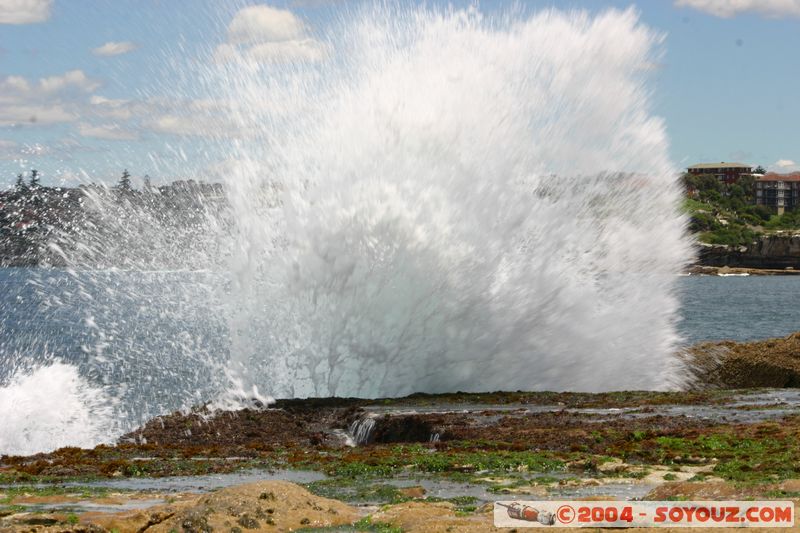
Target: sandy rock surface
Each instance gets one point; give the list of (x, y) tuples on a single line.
[(260, 506)]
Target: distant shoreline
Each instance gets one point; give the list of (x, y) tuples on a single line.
[(706, 270)]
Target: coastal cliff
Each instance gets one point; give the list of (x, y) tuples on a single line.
[(781, 251)]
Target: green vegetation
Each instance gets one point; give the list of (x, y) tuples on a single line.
[(357, 491), (723, 213), (766, 455), (419, 458), (365, 525), (84, 492)]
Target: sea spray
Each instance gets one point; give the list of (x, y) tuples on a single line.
[(452, 201), (435, 200), (53, 406)]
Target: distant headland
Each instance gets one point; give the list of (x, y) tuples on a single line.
[(743, 217), (35, 219)]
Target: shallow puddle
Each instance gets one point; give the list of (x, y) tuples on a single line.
[(747, 407), (83, 506), (204, 483)]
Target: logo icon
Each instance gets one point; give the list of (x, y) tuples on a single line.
[(518, 511)]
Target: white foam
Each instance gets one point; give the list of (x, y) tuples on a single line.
[(50, 407), (453, 201)]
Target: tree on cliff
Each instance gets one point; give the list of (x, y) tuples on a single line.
[(125, 181), (20, 184), (34, 178), (748, 184)]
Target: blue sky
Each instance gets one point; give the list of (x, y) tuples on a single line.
[(100, 77)]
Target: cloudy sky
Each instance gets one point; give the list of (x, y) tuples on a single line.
[(93, 86)]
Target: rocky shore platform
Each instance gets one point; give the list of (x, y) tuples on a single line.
[(427, 463)]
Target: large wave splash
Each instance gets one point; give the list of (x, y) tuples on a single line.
[(444, 201), (453, 201), (53, 406)]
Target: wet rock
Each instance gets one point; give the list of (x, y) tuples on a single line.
[(412, 428), (299, 422), (39, 521), (727, 364)]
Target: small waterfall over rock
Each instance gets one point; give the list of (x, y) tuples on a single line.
[(361, 429)]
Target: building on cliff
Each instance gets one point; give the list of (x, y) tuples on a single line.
[(725, 172), (778, 192)]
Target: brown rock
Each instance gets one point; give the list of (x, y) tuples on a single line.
[(790, 485), (423, 517), (727, 364), (260, 506), (696, 491), (412, 492)]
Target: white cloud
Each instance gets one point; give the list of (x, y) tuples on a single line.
[(731, 8), (96, 99), (51, 100), (784, 165), (70, 98), (72, 79), (176, 125), (12, 115), (16, 84), (226, 52), (17, 87), (211, 117), (112, 108), (199, 124), (112, 48), (258, 24), (24, 11), (110, 132), (264, 34)]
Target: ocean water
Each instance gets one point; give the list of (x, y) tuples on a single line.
[(48, 316), (60, 344), (739, 308), (86, 356), (36, 311)]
